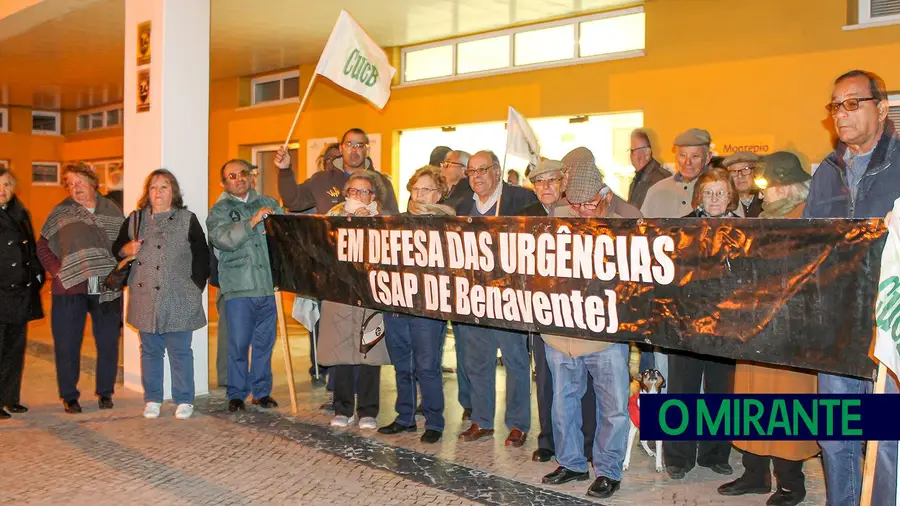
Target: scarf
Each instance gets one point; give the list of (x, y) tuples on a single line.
[(429, 209), (701, 213), (353, 205), (781, 207), (83, 241)]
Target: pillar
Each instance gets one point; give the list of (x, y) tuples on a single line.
[(173, 133)]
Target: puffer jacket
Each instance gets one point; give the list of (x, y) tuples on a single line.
[(244, 268)]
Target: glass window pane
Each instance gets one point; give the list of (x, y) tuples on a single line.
[(268, 91), (612, 35), (548, 44), (112, 117), (291, 87), (84, 122), (485, 54), (43, 123), (97, 120), (429, 63), (44, 173)]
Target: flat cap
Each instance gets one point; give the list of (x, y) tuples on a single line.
[(544, 167), (783, 168), (585, 180), (741, 157), (693, 137)]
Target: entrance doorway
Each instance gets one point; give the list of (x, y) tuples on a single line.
[(263, 156)]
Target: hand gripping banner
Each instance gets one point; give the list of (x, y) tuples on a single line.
[(799, 293)]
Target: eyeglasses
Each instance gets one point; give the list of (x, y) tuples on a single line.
[(480, 171), (714, 195), (244, 174), (631, 151), (587, 206), (353, 192), (447, 164), (741, 172), (849, 105), (550, 181), (416, 190), (355, 145)]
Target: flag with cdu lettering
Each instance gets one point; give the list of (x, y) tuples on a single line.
[(355, 62)]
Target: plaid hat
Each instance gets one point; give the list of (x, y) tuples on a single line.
[(693, 137), (741, 157), (585, 180), (544, 167), (783, 168)]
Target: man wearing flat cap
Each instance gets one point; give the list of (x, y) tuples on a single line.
[(742, 166), (579, 365), (671, 197)]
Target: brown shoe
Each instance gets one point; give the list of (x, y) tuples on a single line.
[(516, 438), (474, 433)]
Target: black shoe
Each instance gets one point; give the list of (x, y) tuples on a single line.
[(563, 475), (743, 486), (72, 407), (236, 404), (783, 497), (675, 472), (467, 414), (4, 415), (542, 455), (17, 408), (266, 402), (724, 469), (396, 428), (105, 402), (431, 436), (603, 487)]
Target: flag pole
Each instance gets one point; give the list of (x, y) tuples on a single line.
[(872, 446), (299, 110)]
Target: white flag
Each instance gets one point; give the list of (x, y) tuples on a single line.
[(353, 61), (520, 138), (887, 305)]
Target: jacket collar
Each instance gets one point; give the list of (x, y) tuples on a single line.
[(881, 156)]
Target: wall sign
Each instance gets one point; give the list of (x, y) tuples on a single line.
[(143, 90), (143, 43), (756, 144)]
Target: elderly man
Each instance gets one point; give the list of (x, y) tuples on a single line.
[(741, 167), (454, 170), (671, 197), (438, 155), (647, 171), (492, 197), (580, 365), (236, 229), (860, 179)]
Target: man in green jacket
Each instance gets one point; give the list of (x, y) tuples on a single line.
[(236, 229)]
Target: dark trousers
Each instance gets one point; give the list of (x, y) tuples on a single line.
[(12, 361), (367, 389), (414, 345), (67, 320), (544, 387), (789, 473), (686, 372)]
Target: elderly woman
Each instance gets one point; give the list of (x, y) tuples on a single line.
[(20, 286), (169, 273), (715, 196), (76, 249), (355, 373), (787, 185), (414, 343)]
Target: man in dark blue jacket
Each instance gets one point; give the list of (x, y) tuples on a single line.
[(860, 179)]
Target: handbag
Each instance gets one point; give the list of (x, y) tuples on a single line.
[(118, 278)]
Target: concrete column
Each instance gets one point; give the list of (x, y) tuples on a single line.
[(172, 134)]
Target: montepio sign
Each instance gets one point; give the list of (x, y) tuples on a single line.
[(757, 144), (358, 67)]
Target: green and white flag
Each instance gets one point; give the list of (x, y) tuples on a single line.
[(887, 306), (353, 61)]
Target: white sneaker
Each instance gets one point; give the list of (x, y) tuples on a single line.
[(367, 423), (342, 421), (151, 409), (184, 411)]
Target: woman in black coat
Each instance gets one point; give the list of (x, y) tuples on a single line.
[(21, 277)]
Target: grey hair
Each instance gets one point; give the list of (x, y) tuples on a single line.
[(797, 191), (365, 176), (462, 155), (6, 172)]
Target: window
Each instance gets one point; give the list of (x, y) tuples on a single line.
[(102, 118), (874, 11), (4, 120), (45, 123), (114, 117), (894, 109), (45, 173), (4, 164), (275, 88), (598, 37)]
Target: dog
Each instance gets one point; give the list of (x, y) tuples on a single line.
[(651, 382)]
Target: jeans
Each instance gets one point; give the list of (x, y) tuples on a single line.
[(884, 491), (67, 319), (464, 386), (251, 323), (481, 366), (181, 365), (609, 369), (414, 345), (843, 460)]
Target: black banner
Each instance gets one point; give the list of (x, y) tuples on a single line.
[(799, 293)]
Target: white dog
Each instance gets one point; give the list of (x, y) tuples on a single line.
[(651, 382)]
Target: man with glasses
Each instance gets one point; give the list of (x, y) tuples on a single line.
[(583, 365), (647, 171), (492, 197), (454, 170), (742, 167), (236, 229), (860, 179)]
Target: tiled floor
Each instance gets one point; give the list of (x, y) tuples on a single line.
[(289, 458)]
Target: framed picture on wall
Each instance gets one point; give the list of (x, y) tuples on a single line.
[(45, 173), (4, 164)]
